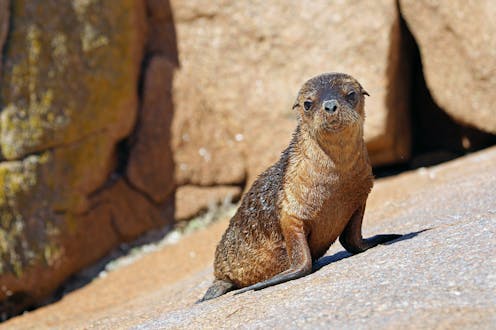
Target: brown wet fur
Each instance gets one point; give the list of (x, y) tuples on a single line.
[(300, 205)]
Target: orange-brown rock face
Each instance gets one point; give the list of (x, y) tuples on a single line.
[(242, 63), (68, 96), (457, 45)]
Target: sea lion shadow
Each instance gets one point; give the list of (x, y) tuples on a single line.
[(326, 260)]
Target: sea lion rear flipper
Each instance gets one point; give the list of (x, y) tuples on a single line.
[(351, 237), (300, 258), (218, 288), (285, 276)]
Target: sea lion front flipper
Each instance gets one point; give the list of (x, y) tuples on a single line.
[(300, 258), (351, 237)]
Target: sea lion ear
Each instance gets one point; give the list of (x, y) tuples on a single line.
[(295, 105), (364, 92)]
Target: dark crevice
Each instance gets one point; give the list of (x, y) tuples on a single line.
[(123, 150), (436, 137), (160, 41), (125, 146), (142, 76), (167, 49)]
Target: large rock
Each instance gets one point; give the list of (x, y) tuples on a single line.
[(243, 62), (68, 96), (458, 50), (439, 275)]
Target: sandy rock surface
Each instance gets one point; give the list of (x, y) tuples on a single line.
[(440, 274)]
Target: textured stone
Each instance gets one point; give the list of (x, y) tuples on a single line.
[(439, 275), (458, 50), (40, 196), (151, 167), (67, 242), (63, 73), (191, 200), (131, 213), (68, 96), (243, 62)]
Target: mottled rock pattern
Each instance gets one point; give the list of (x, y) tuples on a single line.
[(458, 49), (68, 95), (191, 200), (59, 74), (243, 62), (439, 275)]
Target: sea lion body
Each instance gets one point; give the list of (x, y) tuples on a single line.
[(314, 194)]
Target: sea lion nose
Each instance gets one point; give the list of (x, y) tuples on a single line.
[(330, 106)]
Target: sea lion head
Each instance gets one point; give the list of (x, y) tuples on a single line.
[(331, 103)]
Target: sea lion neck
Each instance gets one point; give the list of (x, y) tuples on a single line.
[(340, 151)]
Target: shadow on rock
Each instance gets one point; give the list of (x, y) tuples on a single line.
[(326, 260)]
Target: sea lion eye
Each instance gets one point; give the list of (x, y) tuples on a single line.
[(351, 97), (307, 105)]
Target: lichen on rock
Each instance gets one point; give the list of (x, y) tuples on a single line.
[(69, 94), (27, 229), (63, 73)]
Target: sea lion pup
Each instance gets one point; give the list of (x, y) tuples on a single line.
[(300, 205)]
